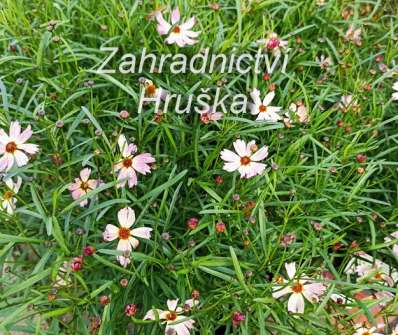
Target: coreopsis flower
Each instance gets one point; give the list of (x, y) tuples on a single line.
[(8, 201), (127, 236), (297, 111), (131, 163), (395, 94), (262, 109), (395, 331), (173, 318), (208, 115), (324, 62), (179, 33), (347, 102), (83, 185), (354, 35), (368, 268), (362, 330), (152, 91), (298, 288), (273, 43), (395, 246), (246, 159), (13, 148)]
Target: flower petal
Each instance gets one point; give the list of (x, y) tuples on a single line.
[(296, 303), (142, 232), (126, 217), (111, 233)]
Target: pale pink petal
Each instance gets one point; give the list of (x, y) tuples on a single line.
[(85, 174), (281, 292), (142, 232), (24, 136), (132, 179), (163, 27), (255, 95), (188, 24), (75, 185), (151, 314), (124, 261), (260, 154), (6, 162), (254, 109), (229, 156), (126, 217), (315, 288), (111, 233), (175, 15), (192, 34), (254, 169), (268, 98), (395, 96), (296, 303), (124, 245), (15, 130), (29, 148), (290, 269), (134, 242), (172, 304), (240, 147), (395, 250), (231, 166), (83, 203), (20, 158), (140, 163), (124, 175), (395, 86), (4, 139), (76, 194)]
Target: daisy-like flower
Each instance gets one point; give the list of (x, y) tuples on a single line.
[(8, 201), (354, 35), (347, 102), (366, 267), (246, 159), (83, 185), (273, 43), (360, 330), (173, 318), (126, 235), (129, 164), (395, 94), (262, 109), (208, 115), (300, 113), (395, 331), (324, 62), (13, 147), (179, 33), (151, 90), (298, 288)]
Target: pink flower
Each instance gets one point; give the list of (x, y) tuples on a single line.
[(354, 35), (128, 166), (273, 43), (246, 161), (181, 34), (83, 185), (237, 318), (207, 116), (174, 320), (262, 109), (395, 94), (298, 288), (13, 147), (126, 236)]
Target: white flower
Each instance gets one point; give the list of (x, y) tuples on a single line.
[(246, 161), (8, 201), (262, 109), (298, 288), (395, 94), (126, 236), (179, 33), (300, 112), (151, 91), (174, 320), (324, 62), (366, 331), (13, 147)]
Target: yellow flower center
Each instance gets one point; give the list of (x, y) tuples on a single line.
[(8, 195)]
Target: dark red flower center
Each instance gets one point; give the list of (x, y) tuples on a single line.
[(84, 186), (262, 108), (245, 160), (124, 233), (298, 288), (171, 316), (128, 162), (11, 147), (176, 30), (150, 90)]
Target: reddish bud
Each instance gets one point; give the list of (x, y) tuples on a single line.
[(195, 294), (237, 318), (76, 264), (220, 227), (104, 300), (192, 223), (130, 310), (219, 180), (361, 158), (89, 250)]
